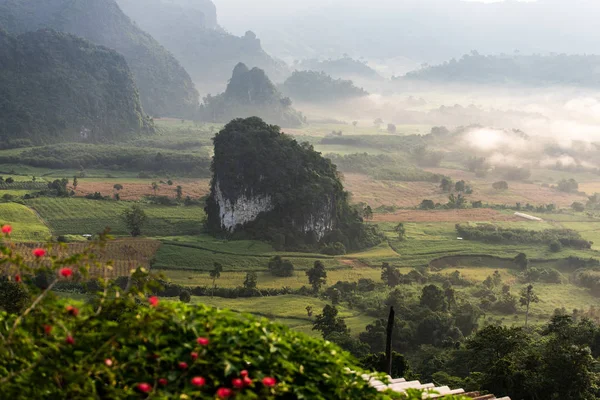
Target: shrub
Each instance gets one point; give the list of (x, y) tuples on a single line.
[(281, 267), (334, 249), (501, 185), (427, 205), (185, 296), (555, 246)]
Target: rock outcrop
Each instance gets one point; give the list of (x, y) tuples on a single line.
[(268, 186)]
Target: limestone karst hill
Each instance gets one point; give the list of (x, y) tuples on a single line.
[(249, 93), (267, 185), (56, 86), (165, 87)]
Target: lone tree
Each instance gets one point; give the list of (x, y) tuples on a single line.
[(317, 276), (328, 322), (134, 219), (154, 187), (401, 231), (528, 296), (521, 261), (280, 267), (215, 274), (75, 183), (118, 187), (390, 275), (179, 193), (251, 280)]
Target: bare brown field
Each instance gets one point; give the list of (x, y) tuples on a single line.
[(134, 191), (411, 194), (472, 215), (124, 254), (590, 187)]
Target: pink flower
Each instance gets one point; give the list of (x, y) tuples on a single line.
[(202, 341), (47, 329), (194, 355), (108, 362), (163, 381), (7, 229), (198, 381), (144, 387), (70, 340), (153, 300), (72, 310), (65, 272), (247, 381), (182, 365), (269, 382), (224, 393), (39, 252), (237, 383), (244, 373), (17, 278)]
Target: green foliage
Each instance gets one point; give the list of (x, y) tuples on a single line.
[(554, 363), (328, 322), (13, 296), (377, 362), (390, 275), (315, 86), (165, 87), (251, 280), (427, 205), (493, 234), (134, 219), (317, 276), (334, 249), (76, 155), (433, 298), (185, 296), (555, 246), (102, 98), (280, 267), (500, 185), (578, 207), (568, 186), (255, 159), (251, 93)]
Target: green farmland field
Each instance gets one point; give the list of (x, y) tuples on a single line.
[(26, 225), (77, 216)]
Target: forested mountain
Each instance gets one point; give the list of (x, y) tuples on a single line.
[(165, 87), (534, 70), (250, 92), (58, 86), (315, 86), (190, 31), (345, 67)]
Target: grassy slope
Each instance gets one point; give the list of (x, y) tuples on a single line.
[(26, 225)]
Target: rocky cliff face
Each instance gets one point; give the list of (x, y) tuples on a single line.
[(240, 211)]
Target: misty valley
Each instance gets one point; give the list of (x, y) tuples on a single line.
[(218, 199)]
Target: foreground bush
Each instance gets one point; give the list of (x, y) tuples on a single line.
[(124, 345)]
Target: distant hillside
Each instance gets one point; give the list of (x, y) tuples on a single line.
[(314, 86), (249, 93), (57, 86), (534, 70), (189, 29), (165, 87), (344, 67)]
